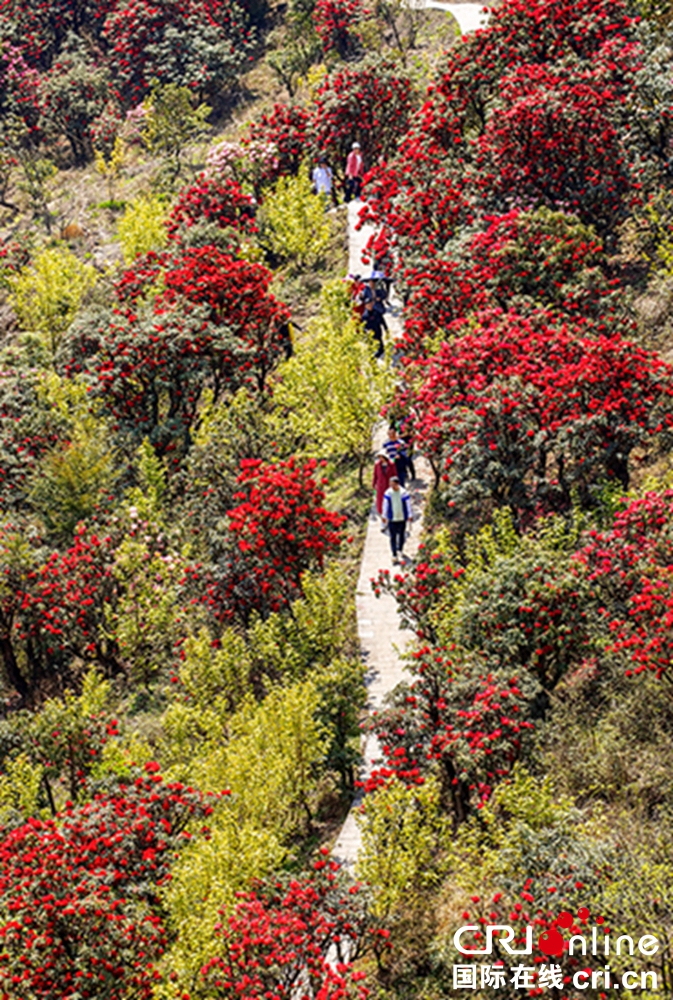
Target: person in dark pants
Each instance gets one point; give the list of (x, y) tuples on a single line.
[(396, 450), (373, 321), (396, 514)]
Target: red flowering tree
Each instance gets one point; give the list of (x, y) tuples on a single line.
[(520, 260), (371, 103), (298, 934), (419, 201), (581, 33), (74, 95), (136, 281), (552, 142), (335, 21), (146, 372), (80, 912), (202, 46), (278, 529), (472, 724), (62, 610), (288, 129), (246, 340), (215, 324), (42, 29), (523, 411), (219, 201), (630, 567)]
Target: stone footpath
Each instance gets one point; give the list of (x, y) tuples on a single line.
[(382, 641)]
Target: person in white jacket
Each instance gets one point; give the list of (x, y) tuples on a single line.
[(397, 514)]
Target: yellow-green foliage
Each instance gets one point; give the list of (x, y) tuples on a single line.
[(333, 388), (404, 836), (216, 678), (205, 880), (143, 227), (19, 787), (70, 479), (280, 647), (266, 753), (293, 223), (111, 167), (659, 246), (47, 294), (266, 756), (171, 124), (493, 845), (146, 619), (71, 715)]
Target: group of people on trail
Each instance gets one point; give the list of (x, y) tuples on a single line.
[(393, 503), (323, 179), (371, 293)]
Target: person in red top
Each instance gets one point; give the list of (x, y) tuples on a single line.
[(383, 470), (354, 171)]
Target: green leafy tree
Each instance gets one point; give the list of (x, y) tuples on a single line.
[(267, 756), (293, 226), (70, 480), (143, 227), (404, 837), (47, 294), (333, 390), (172, 124)]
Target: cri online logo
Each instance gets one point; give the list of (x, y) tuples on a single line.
[(551, 941)]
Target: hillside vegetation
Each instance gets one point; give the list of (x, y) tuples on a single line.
[(187, 399)]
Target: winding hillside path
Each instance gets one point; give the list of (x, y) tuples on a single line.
[(382, 641), (469, 16)]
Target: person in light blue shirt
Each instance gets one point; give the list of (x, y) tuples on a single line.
[(397, 514)]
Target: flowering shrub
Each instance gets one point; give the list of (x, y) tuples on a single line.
[(215, 325), (522, 411), (630, 567), (288, 129), (552, 142), (472, 723), (147, 376), (520, 260), (336, 24), (80, 910), (254, 162), (63, 603), (202, 46), (298, 934), (279, 529), (248, 340), (371, 103), (211, 200)]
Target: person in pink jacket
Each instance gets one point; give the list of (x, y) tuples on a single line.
[(354, 171), (383, 470)]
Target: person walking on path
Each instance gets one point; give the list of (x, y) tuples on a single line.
[(323, 182), (397, 514), (354, 171), (377, 296), (396, 450), (373, 321), (383, 470)]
